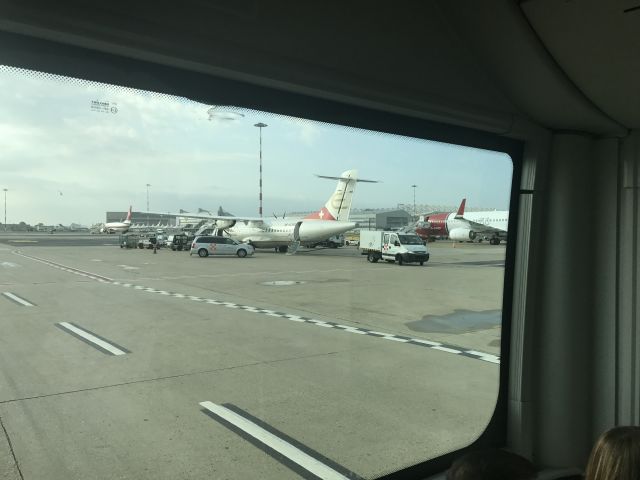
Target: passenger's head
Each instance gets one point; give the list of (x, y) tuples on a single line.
[(616, 455), (491, 464)]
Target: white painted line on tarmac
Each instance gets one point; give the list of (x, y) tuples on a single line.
[(426, 342), (487, 357), (17, 299), (274, 442), (75, 271), (89, 337), (482, 356), (395, 339), (320, 323), (349, 329), (445, 349)]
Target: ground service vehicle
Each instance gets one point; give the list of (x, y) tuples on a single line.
[(128, 240), (549, 87), (393, 247), (334, 241), (147, 241), (204, 246), (179, 242)]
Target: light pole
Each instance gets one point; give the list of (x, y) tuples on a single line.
[(260, 126), (414, 200), (5, 208), (148, 185)]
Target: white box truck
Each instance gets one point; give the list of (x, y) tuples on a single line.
[(393, 247)]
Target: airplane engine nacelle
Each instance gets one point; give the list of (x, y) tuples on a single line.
[(222, 224), (462, 234)]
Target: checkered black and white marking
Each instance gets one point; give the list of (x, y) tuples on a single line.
[(443, 347)]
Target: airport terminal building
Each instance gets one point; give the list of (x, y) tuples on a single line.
[(143, 218)]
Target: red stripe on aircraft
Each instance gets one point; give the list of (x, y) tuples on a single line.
[(323, 214)]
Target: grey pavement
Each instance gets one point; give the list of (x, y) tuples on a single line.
[(345, 385)]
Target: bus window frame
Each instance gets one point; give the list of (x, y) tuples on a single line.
[(77, 62)]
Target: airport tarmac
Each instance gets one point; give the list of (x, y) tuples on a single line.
[(119, 363)]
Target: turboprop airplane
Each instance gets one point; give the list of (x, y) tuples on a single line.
[(118, 227), (287, 234)]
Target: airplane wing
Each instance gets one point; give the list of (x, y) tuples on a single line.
[(208, 216), (481, 228), (475, 226)]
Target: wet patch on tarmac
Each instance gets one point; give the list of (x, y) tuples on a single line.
[(331, 280), (460, 321)]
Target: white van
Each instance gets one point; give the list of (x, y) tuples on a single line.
[(393, 247), (206, 245)]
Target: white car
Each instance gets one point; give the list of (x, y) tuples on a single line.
[(215, 245)]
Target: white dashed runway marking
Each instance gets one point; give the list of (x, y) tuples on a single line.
[(280, 446), (17, 299), (452, 349), (92, 339)]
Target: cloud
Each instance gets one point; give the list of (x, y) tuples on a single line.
[(309, 133), (53, 141)]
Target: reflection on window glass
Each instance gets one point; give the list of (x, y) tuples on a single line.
[(314, 343)]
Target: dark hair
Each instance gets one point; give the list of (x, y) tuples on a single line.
[(616, 455), (491, 464)]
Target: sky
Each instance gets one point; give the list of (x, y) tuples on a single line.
[(72, 150)]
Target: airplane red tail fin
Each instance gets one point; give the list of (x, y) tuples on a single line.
[(128, 220), (338, 206), (460, 212)]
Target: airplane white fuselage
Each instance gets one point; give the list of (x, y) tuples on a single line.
[(276, 233), (493, 219), (116, 227)]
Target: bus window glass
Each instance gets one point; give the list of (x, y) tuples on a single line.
[(328, 352)]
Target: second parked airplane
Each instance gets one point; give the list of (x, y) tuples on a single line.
[(461, 226), (118, 227)]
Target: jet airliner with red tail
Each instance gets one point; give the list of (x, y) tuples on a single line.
[(461, 226), (118, 227)]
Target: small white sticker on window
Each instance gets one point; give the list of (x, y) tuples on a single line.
[(104, 107)]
